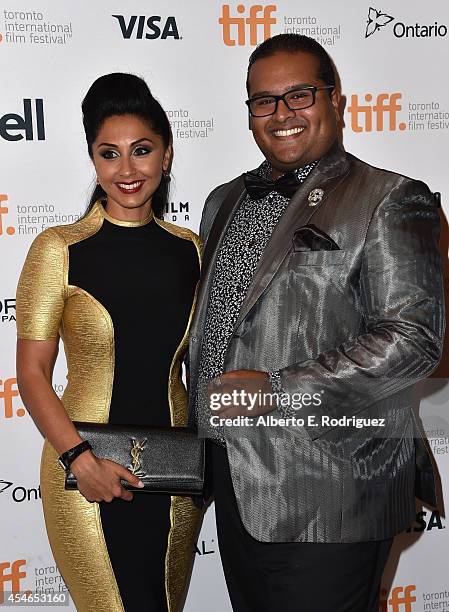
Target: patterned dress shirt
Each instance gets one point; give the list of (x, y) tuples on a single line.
[(240, 253)]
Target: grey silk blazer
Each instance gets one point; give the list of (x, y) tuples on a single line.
[(359, 325)]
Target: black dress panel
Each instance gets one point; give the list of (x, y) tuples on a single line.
[(145, 278)]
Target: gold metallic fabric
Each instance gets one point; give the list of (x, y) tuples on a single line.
[(48, 306)]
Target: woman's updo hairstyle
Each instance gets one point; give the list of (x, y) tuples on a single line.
[(120, 93)]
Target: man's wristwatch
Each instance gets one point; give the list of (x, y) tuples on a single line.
[(67, 458)]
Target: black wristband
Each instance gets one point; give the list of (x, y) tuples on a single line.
[(67, 458)]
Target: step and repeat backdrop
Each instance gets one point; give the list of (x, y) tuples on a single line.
[(391, 58)]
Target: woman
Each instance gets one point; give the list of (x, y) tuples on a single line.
[(118, 287)]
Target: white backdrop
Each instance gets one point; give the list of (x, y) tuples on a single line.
[(392, 64)]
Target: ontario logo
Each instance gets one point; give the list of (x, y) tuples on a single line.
[(377, 20), (20, 494)]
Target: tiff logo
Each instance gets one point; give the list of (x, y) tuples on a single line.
[(13, 576), (7, 393), (401, 599), (260, 17), (10, 229), (386, 107)]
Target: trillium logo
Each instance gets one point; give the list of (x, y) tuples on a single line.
[(5, 484), (376, 20)]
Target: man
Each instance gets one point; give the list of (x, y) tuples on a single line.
[(321, 282)]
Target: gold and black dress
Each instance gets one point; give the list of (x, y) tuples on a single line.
[(120, 295)]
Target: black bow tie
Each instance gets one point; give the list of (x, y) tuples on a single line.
[(258, 187)]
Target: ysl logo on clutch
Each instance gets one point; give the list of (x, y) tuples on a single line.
[(136, 452)]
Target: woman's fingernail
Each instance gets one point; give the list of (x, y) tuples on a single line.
[(140, 484)]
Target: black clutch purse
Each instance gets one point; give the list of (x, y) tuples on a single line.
[(166, 459)]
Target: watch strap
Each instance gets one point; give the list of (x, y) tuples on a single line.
[(67, 458)]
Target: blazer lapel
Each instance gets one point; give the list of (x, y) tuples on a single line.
[(212, 247), (220, 225), (328, 173)]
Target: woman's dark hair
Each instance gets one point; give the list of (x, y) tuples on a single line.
[(125, 94)]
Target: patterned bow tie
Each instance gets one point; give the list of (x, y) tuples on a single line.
[(258, 187)]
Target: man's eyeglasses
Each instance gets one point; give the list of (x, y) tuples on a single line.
[(296, 99)]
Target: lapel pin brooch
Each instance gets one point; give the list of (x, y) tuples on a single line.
[(315, 196)]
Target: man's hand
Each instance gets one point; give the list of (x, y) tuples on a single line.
[(241, 393)]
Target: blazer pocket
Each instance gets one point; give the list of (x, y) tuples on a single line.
[(317, 258)]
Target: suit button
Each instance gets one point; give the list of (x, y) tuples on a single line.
[(193, 339)]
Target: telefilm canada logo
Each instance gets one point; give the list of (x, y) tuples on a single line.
[(177, 211), (141, 27), (378, 20)]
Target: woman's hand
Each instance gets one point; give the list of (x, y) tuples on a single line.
[(99, 479)]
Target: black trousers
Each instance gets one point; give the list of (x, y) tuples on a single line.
[(291, 577)]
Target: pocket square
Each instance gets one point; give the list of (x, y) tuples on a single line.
[(310, 238)]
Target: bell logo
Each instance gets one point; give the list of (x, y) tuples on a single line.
[(12, 124), (12, 574), (384, 110), (153, 24), (400, 600), (10, 230), (258, 16), (8, 391)]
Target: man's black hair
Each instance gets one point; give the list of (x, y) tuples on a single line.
[(293, 43)]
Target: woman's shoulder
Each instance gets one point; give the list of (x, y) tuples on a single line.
[(179, 231), (65, 235)]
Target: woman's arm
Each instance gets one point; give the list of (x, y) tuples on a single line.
[(40, 305), (35, 363), (98, 479)]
